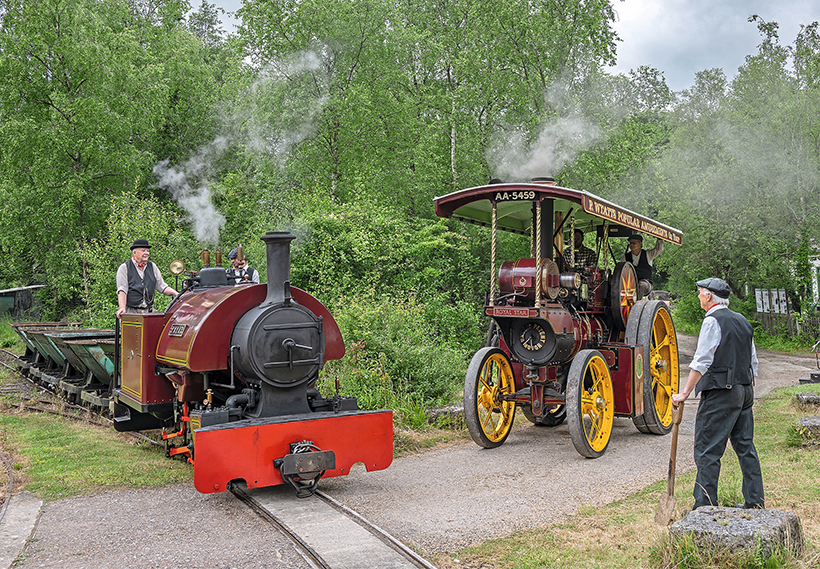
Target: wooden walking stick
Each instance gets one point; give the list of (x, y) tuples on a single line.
[(666, 506)]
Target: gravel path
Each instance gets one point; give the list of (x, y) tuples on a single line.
[(437, 501)]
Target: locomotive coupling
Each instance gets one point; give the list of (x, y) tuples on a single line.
[(303, 468)]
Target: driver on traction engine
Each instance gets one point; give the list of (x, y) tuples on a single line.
[(642, 259)]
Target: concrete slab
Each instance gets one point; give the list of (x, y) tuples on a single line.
[(340, 541), (18, 523)]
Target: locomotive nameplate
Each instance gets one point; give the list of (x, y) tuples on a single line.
[(514, 312), (176, 330)]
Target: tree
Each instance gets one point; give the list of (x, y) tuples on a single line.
[(92, 93)]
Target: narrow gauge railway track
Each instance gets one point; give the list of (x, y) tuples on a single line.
[(326, 533), (57, 405)]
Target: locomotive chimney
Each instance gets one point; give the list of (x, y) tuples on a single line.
[(278, 256), (544, 181)]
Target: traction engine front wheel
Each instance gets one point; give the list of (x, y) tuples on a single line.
[(590, 404), (489, 377)]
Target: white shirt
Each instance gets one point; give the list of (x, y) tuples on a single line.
[(650, 253), (122, 276), (708, 342)]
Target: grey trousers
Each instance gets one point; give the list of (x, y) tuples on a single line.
[(726, 414)]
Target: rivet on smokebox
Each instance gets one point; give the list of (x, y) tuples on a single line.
[(216, 486)]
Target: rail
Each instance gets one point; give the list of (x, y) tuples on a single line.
[(361, 547)]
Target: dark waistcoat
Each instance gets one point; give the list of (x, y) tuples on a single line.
[(643, 269), (140, 289), (733, 358)]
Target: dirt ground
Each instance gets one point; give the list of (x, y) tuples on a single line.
[(435, 501)]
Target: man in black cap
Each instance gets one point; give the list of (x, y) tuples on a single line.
[(137, 280), (642, 259), (723, 371), (239, 268)]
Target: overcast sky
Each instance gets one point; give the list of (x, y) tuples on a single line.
[(682, 37)]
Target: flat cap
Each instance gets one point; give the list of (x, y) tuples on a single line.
[(140, 243), (234, 253), (636, 237), (715, 285)]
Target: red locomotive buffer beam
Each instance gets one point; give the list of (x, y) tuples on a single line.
[(246, 449)]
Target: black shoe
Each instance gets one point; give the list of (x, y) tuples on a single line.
[(750, 507)]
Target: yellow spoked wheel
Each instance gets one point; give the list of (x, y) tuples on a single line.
[(655, 331), (488, 418), (623, 289), (590, 404)]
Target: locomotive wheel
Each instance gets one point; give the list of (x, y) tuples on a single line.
[(488, 418), (552, 418), (661, 377), (623, 289), (590, 404)]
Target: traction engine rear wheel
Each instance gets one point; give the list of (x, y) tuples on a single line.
[(655, 331), (488, 418), (590, 404)]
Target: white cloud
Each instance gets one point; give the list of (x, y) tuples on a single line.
[(682, 37)]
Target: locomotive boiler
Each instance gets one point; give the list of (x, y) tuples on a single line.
[(566, 342), (229, 373)]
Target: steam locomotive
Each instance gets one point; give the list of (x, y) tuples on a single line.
[(229, 373)]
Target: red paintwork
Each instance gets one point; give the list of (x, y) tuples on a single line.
[(139, 333), (209, 317), (247, 452), (520, 275), (621, 377)]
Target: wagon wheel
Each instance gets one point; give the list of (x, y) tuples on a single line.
[(489, 376), (623, 288), (655, 331), (590, 404), (551, 417)]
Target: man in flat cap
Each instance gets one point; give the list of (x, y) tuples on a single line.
[(642, 259), (240, 270), (723, 371), (137, 281)]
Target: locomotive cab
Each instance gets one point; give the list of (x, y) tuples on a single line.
[(566, 342)]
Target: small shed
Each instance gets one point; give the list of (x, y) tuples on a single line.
[(18, 301)]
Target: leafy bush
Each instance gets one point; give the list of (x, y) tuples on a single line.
[(396, 357)]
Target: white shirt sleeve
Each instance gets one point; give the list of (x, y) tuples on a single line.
[(160, 282), (708, 342), (122, 279), (654, 251), (754, 360)]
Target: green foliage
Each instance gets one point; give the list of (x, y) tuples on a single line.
[(396, 357), (131, 218), (366, 249), (94, 93), (9, 339)]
